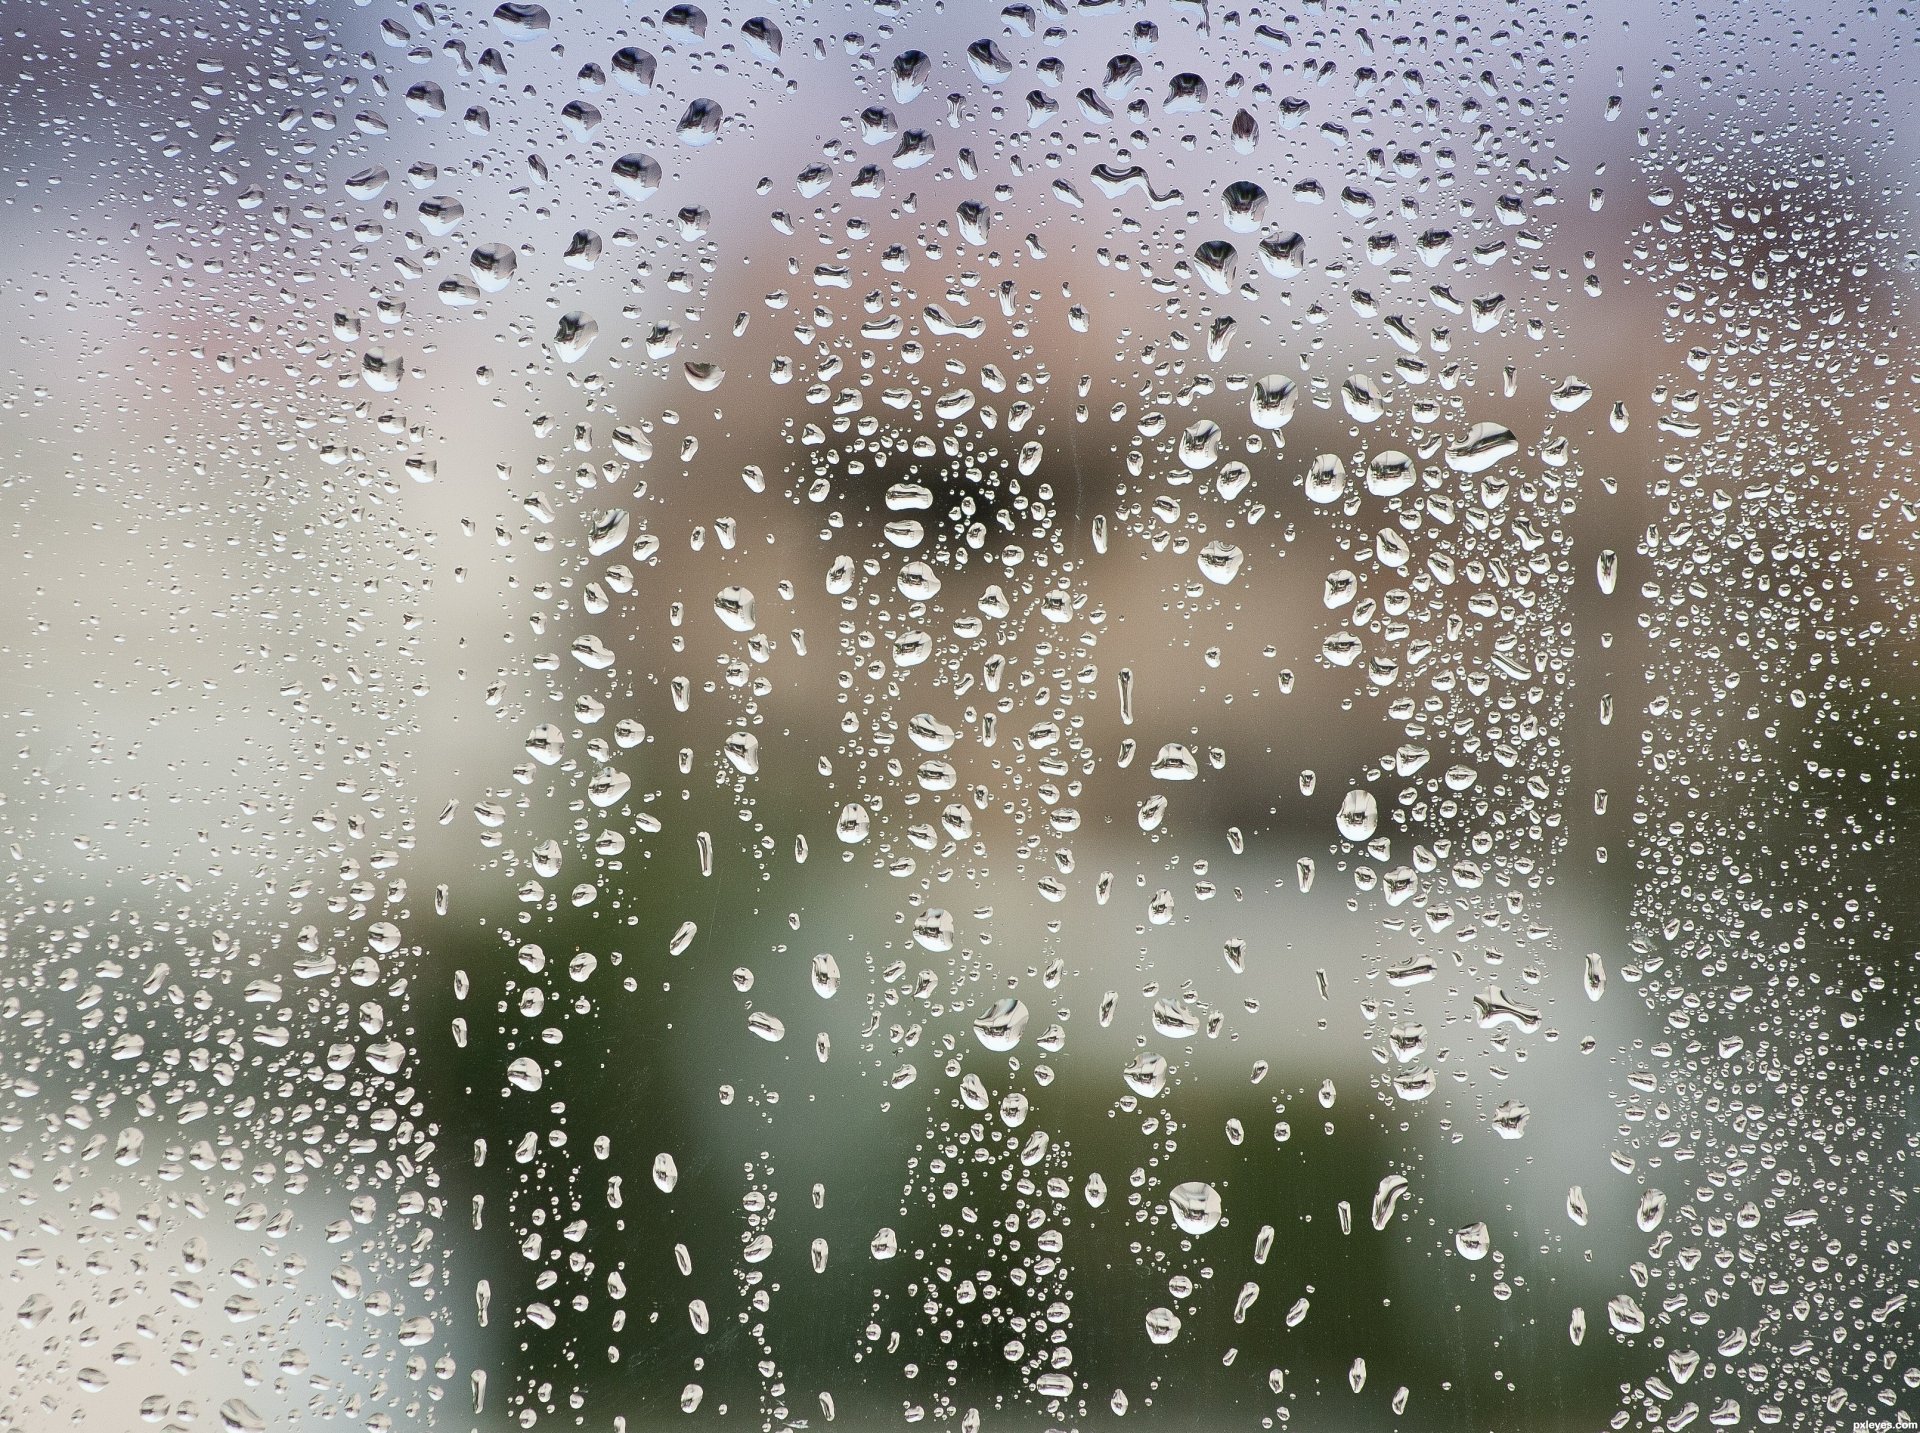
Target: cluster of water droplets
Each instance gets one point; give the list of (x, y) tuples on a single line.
[(854, 714)]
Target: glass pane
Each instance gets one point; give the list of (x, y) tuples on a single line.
[(1057, 716)]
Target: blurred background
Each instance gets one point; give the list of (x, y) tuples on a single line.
[(352, 1004)]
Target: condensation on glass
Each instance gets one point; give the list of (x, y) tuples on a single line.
[(1064, 716)]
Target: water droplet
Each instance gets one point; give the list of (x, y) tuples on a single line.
[(1473, 1241), (1000, 1026), (1196, 1207)]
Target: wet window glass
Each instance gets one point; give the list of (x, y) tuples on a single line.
[(1055, 716)]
